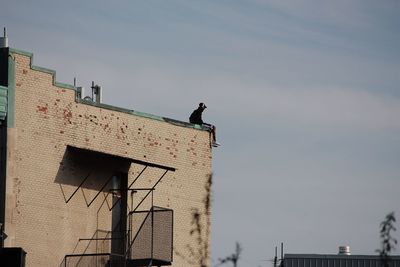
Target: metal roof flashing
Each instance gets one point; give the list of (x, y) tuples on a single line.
[(102, 105), (334, 256)]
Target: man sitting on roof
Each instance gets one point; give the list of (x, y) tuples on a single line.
[(196, 118)]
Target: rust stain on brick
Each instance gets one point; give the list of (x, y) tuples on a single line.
[(61, 132), (18, 84), (17, 190), (42, 109), (67, 115), (24, 71)]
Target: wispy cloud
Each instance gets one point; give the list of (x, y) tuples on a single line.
[(332, 108)]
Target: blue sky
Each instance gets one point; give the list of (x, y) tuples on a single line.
[(305, 95)]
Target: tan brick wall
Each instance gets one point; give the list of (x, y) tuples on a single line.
[(47, 119)]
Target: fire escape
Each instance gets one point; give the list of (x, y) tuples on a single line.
[(139, 236)]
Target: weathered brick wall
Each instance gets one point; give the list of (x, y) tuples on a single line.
[(47, 119)]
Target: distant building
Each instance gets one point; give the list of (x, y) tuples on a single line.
[(84, 183), (343, 259)]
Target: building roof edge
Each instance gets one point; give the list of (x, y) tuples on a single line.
[(102, 105)]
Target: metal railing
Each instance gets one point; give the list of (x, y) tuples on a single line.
[(153, 238), (94, 260), (148, 239)]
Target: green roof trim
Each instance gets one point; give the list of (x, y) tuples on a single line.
[(45, 70), (87, 102), (21, 52), (147, 115)]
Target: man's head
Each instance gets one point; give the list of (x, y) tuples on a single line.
[(202, 106)]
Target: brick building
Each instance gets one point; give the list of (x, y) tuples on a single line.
[(88, 184)]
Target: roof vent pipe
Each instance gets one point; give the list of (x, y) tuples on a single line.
[(80, 92), (96, 93), (344, 250), (4, 40)]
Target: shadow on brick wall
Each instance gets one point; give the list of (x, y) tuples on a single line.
[(88, 171)]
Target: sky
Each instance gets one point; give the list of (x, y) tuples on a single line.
[(304, 94)]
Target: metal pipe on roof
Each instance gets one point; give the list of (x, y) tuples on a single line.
[(4, 39)]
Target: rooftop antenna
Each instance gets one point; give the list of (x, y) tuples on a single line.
[(4, 39), (282, 254), (92, 89)]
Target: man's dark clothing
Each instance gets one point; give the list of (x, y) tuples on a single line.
[(195, 117)]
